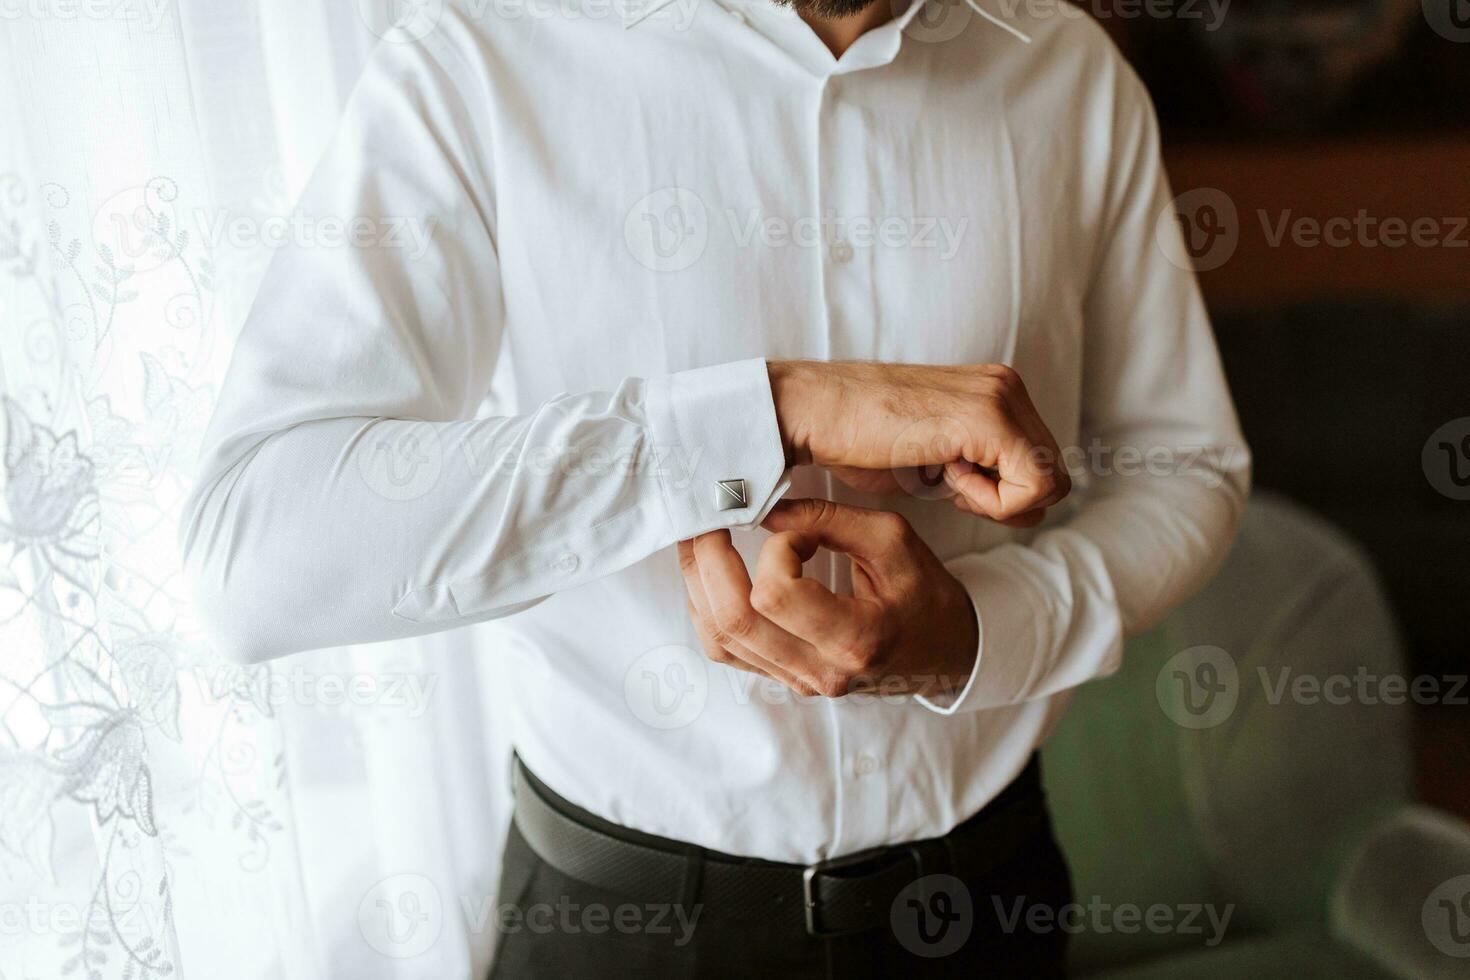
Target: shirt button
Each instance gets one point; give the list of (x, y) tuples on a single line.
[(866, 765), (739, 17), (841, 252), (567, 563)]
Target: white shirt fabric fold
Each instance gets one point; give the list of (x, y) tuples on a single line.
[(636, 216)]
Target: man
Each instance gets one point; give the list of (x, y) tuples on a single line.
[(718, 252)]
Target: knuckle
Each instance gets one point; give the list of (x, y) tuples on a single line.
[(858, 654), (820, 511), (768, 599), (688, 567), (1000, 383), (832, 684), (991, 398), (1005, 510), (1053, 484), (1005, 375), (1002, 386), (738, 623), (894, 526)]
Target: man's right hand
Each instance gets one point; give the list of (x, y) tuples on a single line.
[(866, 421)]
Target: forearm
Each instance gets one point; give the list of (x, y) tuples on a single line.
[(351, 530)]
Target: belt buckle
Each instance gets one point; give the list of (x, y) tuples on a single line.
[(808, 887)]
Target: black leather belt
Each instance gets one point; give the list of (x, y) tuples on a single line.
[(842, 895)]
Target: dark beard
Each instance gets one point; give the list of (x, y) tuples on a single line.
[(832, 8)]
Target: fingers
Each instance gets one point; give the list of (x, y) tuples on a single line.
[(718, 648), (784, 553), (1034, 471), (743, 659), (802, 606), (877, 538), (1010, 463), (712, 646), (976, 423), (977, 492), (734, 621), (698, 606), (1021, 478), (1032, 518), (849, 634), (797, 630)]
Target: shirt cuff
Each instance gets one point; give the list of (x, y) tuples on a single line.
[(720, 459), (1006, 618)]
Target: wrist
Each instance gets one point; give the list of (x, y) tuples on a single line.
[(793, 386), (963, 651)]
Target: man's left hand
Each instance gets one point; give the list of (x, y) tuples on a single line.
[(908, 627)]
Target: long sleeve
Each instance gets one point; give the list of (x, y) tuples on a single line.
[(347, 493), (1162, 471)]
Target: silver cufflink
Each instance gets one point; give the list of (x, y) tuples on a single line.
[(729, 494)]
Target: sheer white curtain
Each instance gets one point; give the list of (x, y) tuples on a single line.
[(163, 813)]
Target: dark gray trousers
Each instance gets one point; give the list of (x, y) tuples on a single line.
[(552, 926)]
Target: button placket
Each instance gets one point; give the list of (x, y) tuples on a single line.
[(844, 200)]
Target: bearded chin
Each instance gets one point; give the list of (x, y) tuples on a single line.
[(830, 8)]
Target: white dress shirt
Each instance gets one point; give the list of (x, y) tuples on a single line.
[(635, 215)]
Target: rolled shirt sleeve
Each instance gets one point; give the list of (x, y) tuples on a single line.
[(1162, 469), (347, 493)]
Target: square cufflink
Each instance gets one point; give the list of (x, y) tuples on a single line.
[(730, 494)]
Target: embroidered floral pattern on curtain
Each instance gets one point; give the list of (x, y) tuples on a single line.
[(103, 411), (164, 813)]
